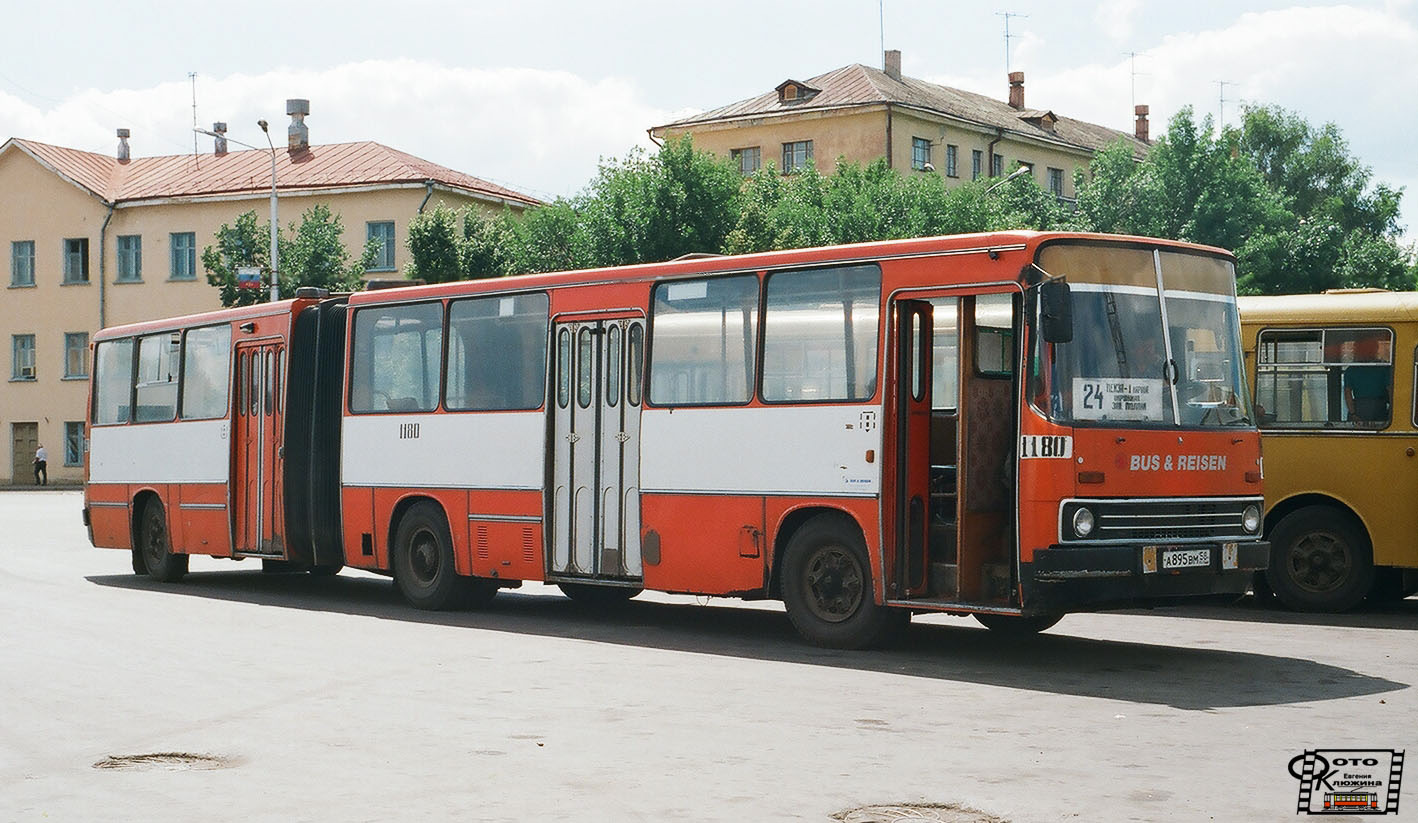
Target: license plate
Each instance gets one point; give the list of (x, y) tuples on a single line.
[(1187, 559)]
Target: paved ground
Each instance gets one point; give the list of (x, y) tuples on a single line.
[(330, 700)]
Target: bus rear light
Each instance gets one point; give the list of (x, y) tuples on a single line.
[(1252, 477), (1090, 477)]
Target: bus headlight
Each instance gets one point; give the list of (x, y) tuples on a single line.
[(1250, 518), (1083, 522)]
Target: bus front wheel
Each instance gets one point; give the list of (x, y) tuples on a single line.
[(423, 564), (156, 547), (827, 587), (1320, 561)]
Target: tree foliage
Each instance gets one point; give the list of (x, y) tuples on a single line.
[(1298, 210), (312, 253)]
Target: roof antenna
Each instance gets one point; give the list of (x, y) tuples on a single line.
[(1006, 15), (192, 76)]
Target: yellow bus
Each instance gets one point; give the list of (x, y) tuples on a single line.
[(1333, 380)]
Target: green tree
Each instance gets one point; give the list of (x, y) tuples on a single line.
[(434, 246), (312, 255)]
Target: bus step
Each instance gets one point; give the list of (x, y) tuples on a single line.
[(994, 581), (944, 580)]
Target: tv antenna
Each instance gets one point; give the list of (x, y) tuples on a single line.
[(1006, 15)]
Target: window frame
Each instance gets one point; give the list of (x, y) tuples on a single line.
[(547, 355), (763, 320), (977, 163), (386, 244), (78, 452), (189, 254), (72, 278), (128, 265), (790, 154), (1326, 426), (996, 165), (1056, 174), (952, 160), (70, 337), (440, 376), (15, 257), (16, 368), (647, 369), (920, 153), (738, 155)]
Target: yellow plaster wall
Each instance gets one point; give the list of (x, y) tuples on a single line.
[(36, 204)]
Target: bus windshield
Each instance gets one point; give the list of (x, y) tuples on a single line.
[(1156, 340)]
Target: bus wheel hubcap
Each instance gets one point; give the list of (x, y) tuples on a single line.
[(1319, 562), (423, 557), (834, 583)]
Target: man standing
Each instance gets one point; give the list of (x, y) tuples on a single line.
[(41, 467)]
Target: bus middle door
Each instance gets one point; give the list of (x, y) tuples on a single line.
[(256, 446), (595, 508)]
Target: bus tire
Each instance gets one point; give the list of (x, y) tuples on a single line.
[(1320, 561), (140, 566), (1014, 625), (827, 587), (597, 597), (156, 547), (423, 563)]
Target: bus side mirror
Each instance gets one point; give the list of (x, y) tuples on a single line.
[(1056, 312)]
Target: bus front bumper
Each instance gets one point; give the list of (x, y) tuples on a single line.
[(1072, 578)]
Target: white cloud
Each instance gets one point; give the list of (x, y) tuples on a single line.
[(536, 131), (1116, 17)]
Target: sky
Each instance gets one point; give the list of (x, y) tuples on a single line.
[(534, 94)]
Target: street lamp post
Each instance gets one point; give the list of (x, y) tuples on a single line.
[(275, 225)]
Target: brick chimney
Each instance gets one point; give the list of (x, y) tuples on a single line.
[(297, 136), (1016, 90), (124, 154), (1140, 128), (220, 140), (891, 64)]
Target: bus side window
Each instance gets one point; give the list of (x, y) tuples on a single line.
[(397, 355), (819, 334), (155, 393), (113, 381), (206, 364), (994, 335), (497, 353), (1324, 378)]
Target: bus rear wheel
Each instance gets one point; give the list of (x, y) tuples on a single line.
[(156, 548), (1320, 561), (423, 564), (827, 587)]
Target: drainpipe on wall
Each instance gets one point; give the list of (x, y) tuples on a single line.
[(650, 133), (428, 185), (990, 152), (103, 269), (888, 135)]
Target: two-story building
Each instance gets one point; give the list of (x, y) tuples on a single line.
[(96, 240), (859, 114)]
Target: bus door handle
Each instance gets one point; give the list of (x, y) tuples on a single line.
[(1170, 372)]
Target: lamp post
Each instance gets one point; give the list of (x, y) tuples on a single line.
[(1023, 169), (275, 246)]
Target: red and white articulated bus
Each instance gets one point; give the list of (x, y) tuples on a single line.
[(1011, 425)]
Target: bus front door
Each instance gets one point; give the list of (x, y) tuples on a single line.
[(256, 446), (595, 507), (909, 446)]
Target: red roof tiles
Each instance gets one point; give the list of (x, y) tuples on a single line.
[(340, 165)]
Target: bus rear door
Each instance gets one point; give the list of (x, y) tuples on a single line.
[(256, 447)]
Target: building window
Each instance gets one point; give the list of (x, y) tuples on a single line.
[(184, 255), (22, 346), (130, 258), (977, 163), (22, 263), (76, 354), (1056, 181), (796, 156), (382, 232), (749, 160), (920, 153), (74, 443), (996, 165), (76, 260), (951, 169)]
